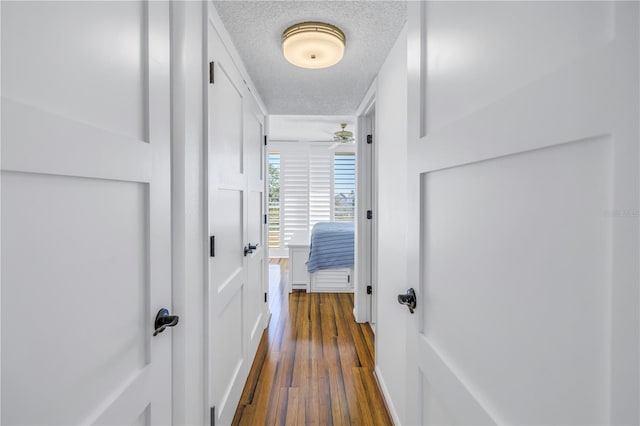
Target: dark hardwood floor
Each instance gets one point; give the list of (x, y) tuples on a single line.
[(314, 365)]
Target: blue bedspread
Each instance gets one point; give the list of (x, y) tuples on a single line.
[(331, 246)]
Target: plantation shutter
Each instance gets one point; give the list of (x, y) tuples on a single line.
[(294, 190), (320, 184), (316, 185)]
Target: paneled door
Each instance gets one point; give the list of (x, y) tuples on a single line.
[(86, 231), (524, 186), (237, 310), (256, 296)]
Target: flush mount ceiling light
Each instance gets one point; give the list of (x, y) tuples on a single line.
[(343, 136), (313, 44)]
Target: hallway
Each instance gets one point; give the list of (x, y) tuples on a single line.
[(314, 364), (497, 146)]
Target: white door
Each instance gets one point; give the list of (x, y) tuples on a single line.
[(523, 219), (85, 213), (237, 311), (227, 224), (256, 295)]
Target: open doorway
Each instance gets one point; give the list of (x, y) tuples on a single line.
[(312, 181)]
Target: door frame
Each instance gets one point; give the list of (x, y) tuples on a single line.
[(366, 188), (188, 144), (265, 209), (0, 204)]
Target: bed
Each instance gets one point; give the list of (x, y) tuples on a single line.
[(331, 257)]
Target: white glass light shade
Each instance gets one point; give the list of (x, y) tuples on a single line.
[(313, 45)]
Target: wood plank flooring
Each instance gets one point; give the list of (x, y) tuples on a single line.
[(314, 365)]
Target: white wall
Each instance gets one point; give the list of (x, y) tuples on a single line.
[(310, 128), (188, 231), (391, 145)]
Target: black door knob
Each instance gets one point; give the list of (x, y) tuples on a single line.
[(408, 299), (253, 247), (164, 320), (247, 250)]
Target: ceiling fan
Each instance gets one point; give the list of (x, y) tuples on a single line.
[(342, 137)]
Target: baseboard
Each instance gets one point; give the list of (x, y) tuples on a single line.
[(387, 397), (268, 319)]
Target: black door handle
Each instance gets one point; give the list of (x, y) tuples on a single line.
[(408, 299), (164, 320), (248, 250), (253, 247)]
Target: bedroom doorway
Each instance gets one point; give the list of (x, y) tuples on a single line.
[(310, 182)]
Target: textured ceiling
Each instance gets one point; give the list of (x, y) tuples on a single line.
[(371, 28)]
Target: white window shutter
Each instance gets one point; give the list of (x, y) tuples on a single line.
[(320, 184), (294, 190), (311, 176)]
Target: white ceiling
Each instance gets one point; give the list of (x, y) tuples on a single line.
[(371, 28)]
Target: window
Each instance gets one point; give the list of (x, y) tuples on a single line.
[(274, 199), (308, 184), (344, 186)]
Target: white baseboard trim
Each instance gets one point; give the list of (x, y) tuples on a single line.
[(387, 397), (268, 320)]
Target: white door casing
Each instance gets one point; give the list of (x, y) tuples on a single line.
[(523, 189), (237, 311), (85, 212), (363, 270), (373, 230)]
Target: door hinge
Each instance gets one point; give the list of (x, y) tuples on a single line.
[(265, 140), (348, 278), (212, 246), (213, 416), (211, 72), (369, 214), (265, 219), (369, 139), (265, 298), (369, 289)]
